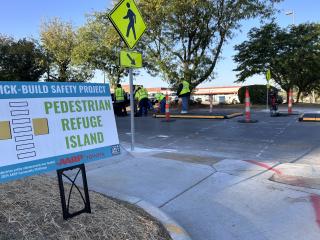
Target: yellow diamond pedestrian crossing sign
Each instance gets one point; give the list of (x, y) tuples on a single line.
[(128, 21), (130, 59), (268, 75)]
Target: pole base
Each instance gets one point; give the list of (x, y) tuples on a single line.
[(247, 121)]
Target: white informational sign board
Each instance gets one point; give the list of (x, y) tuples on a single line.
[(49, 126)]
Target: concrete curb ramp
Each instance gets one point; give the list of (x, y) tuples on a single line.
[(310, 117), (299, 175), (201, 115), (175, 231)]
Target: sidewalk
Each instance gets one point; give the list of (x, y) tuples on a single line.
[(231, 199)]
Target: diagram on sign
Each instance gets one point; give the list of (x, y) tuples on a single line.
[(133, 62), (127, 20), (22, 129), (130, 59)]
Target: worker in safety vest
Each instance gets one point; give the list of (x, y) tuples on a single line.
[(120, 95), (141, 96), (184, 93), (161, 99)]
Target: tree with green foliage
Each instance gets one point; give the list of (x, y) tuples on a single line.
[(99, 45), (304, 57), (20, 60), (59, 40), (292, 55), (184, 39)]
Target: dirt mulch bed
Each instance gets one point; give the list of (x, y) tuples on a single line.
[(31, 209)]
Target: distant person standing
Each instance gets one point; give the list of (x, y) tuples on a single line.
[(120, 101), (273, 102), (141, 96), (132, 21), (184, 93)]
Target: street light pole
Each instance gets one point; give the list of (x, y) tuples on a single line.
[(288, 13), (291, 12)]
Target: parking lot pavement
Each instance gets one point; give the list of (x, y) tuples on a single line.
[(282, 139)]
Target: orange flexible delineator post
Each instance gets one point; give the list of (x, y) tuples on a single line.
[(247, 109), (247, 104), (167, 108)]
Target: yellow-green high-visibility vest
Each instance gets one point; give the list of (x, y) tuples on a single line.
[(119, 94), (144, 93), (141, 94), (159, 97), (185, 88)]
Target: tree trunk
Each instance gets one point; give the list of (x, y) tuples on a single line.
[(298, 96)]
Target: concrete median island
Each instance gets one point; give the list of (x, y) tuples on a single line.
[(202, 115)]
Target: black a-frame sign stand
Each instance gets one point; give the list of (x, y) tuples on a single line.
[(84, 196)]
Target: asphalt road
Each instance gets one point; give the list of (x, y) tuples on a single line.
[(282, 139)]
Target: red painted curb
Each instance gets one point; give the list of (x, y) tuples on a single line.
[(264, 165)]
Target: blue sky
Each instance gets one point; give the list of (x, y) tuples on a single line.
[(21, 18)]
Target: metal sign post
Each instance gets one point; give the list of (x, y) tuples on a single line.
[(267, 97), (129, 23), (131, 108), (130, 60), (268, 77)]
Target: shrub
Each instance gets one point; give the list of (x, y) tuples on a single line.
[(258, 93)]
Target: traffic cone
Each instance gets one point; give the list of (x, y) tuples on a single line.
[(168, 109), (247, 109), (290, 101)]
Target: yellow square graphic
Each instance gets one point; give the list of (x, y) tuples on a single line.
[(5, 130), (40, 126)]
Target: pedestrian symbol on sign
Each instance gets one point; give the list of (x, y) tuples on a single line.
[(128, 21), (132, 21)]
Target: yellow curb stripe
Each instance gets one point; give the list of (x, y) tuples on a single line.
[(309, 119), (174, 228)]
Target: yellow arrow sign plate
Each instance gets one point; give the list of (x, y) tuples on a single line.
[(130, 59), (128, 21)]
